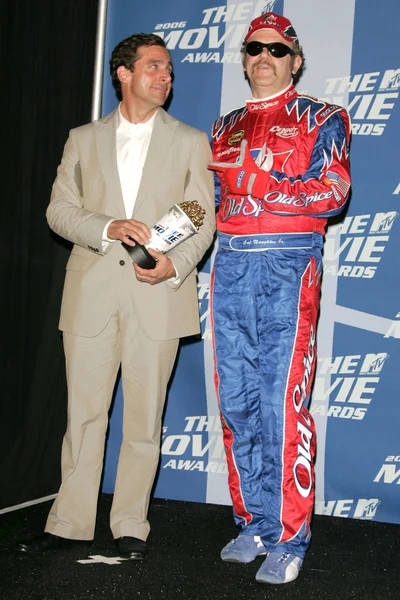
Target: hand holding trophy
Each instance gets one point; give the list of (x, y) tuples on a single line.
[(177, 225)]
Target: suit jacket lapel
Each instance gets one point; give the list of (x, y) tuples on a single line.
[(105, 135), (161, 138)]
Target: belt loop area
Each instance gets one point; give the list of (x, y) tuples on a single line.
[(262, 242)]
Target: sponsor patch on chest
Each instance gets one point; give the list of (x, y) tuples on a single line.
[(284, 132), (236, 137)]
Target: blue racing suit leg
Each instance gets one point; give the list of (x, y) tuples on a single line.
[(264, 312)]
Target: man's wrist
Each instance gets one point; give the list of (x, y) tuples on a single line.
[(104, 237), (174, 278)]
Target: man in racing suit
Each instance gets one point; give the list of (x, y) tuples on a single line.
[(283, 167)]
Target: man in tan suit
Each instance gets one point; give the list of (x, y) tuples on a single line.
[(118, 176)]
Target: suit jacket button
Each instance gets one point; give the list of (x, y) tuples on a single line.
[(122, 262)]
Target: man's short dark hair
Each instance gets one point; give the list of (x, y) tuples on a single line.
[(298, 51), (125, 54)]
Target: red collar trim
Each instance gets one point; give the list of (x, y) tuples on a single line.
[(271, 104)]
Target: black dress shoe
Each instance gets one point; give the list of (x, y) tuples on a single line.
[(131, 547), (46, 542)]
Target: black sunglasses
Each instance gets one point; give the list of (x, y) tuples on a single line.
[(275, 49)]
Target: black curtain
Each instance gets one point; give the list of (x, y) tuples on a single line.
[(48, 51)]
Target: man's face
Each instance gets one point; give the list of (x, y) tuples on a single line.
[(269, 75), (149, 84)]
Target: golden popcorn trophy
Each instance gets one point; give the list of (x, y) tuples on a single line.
[(177, 225)]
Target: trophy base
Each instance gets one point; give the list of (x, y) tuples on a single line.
[(140, 256)]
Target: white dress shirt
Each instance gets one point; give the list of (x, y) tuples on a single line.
[(133, 140)]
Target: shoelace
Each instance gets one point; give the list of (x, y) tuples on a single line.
[(283, 558)]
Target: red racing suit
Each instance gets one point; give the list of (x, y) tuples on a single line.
[(265, 300)]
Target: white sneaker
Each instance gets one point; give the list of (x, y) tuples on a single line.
[(279, 568)]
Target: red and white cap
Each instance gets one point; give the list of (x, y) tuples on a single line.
[(271, 20)]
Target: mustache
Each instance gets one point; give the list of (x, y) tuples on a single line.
[(264, 63)]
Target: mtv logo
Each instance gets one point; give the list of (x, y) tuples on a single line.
[(269, 7), (366, 509), (395, 81), (390, 80), (373, 363), (383, 222)]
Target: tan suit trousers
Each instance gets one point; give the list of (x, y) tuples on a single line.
[(92, 367)]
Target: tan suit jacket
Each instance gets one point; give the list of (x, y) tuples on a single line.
[(87, 193)]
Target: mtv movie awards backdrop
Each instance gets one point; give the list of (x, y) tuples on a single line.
[(353, 59)]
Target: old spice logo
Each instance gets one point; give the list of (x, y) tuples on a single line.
[(277, 197), (254, 107), (290, 93), (301, 391), (284, 132), (236, 137), (302, 468)]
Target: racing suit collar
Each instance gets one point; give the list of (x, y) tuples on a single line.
[(271, 102)]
